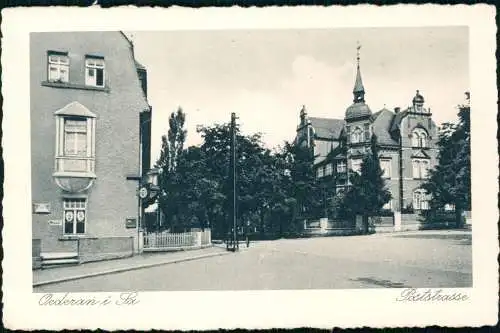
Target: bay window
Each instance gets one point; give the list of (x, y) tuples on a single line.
[(75, 141)]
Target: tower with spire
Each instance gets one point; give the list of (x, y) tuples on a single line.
[(406, 140), (357, 121)]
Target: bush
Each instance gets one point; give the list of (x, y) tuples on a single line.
[(386, 212)]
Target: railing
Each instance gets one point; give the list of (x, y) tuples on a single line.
[(315, 224), (339, 224), (177, 240)]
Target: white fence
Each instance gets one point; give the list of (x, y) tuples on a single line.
[(166, 240)]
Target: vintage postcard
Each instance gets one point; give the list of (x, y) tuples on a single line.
[(249, 168)]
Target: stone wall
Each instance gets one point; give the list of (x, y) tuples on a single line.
[(96, 249)]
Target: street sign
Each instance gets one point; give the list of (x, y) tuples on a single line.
[(143, 192)]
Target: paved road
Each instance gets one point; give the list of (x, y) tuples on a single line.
[(423, 259)]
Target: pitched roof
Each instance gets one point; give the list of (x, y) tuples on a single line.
[(381, 126), (396, 122), (138, 65), (327, 128)]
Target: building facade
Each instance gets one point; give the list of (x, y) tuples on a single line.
[(407, 142), (90, 138)]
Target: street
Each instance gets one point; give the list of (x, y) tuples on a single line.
[(413, 259)]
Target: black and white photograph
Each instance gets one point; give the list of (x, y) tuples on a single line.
[(254, 160)]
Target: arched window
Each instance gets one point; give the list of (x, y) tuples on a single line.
[(419, 137), (420, 200), (357, 135)]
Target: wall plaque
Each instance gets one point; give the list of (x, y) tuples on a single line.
[(41, 208), (55, 222), (130, 223)]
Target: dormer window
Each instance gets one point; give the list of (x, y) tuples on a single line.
[(419, 138), (94, 71), (58, 67)]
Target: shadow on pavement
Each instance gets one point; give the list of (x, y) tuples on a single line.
[(381, 283)]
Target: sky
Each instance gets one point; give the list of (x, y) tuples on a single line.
[(265, 76)]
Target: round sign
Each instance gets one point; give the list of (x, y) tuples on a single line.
[(69, 216), (143, 192), (80, 216)]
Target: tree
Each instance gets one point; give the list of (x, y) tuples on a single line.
[(172, 143), (368, 193), (171, 150), (450, 181), (306, 188), (259, 173)]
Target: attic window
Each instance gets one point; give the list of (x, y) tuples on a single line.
[(94, 71), (58, 66)]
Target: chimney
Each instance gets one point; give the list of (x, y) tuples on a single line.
[(396, 110)]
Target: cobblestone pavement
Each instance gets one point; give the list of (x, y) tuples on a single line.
[(412, 259)]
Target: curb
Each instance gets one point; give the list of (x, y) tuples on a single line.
[(125, 269)]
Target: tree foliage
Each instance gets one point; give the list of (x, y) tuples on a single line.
[(450, 181), (368, 193)]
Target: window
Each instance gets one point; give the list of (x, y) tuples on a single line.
[(341, 167), (420, 200), (75, 137), (357, 135), (75, 140), (328, 169), (449, 207), (94, 72), (385, 165), (58, 67), (75, 215), (319, 172), (356, 165), (420, 168), (419, 138)]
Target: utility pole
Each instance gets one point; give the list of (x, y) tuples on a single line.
[(232, 171)]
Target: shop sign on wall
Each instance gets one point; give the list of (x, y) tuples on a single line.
[(41, 208), (55, 222), (130, 223)]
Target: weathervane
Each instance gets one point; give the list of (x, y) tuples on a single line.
[(358, 47)]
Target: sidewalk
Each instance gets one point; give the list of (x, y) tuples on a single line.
[(60, 274)]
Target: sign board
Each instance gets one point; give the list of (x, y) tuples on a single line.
[(55, 222), (41, 208), (131, 222)]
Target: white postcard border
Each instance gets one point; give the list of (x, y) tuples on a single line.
[(249, 309)]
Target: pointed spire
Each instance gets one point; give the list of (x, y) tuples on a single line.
[(359, 90)]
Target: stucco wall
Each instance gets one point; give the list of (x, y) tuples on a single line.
[(112, 198)]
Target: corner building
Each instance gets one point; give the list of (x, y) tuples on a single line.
[(407, 142), (90, 140)]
